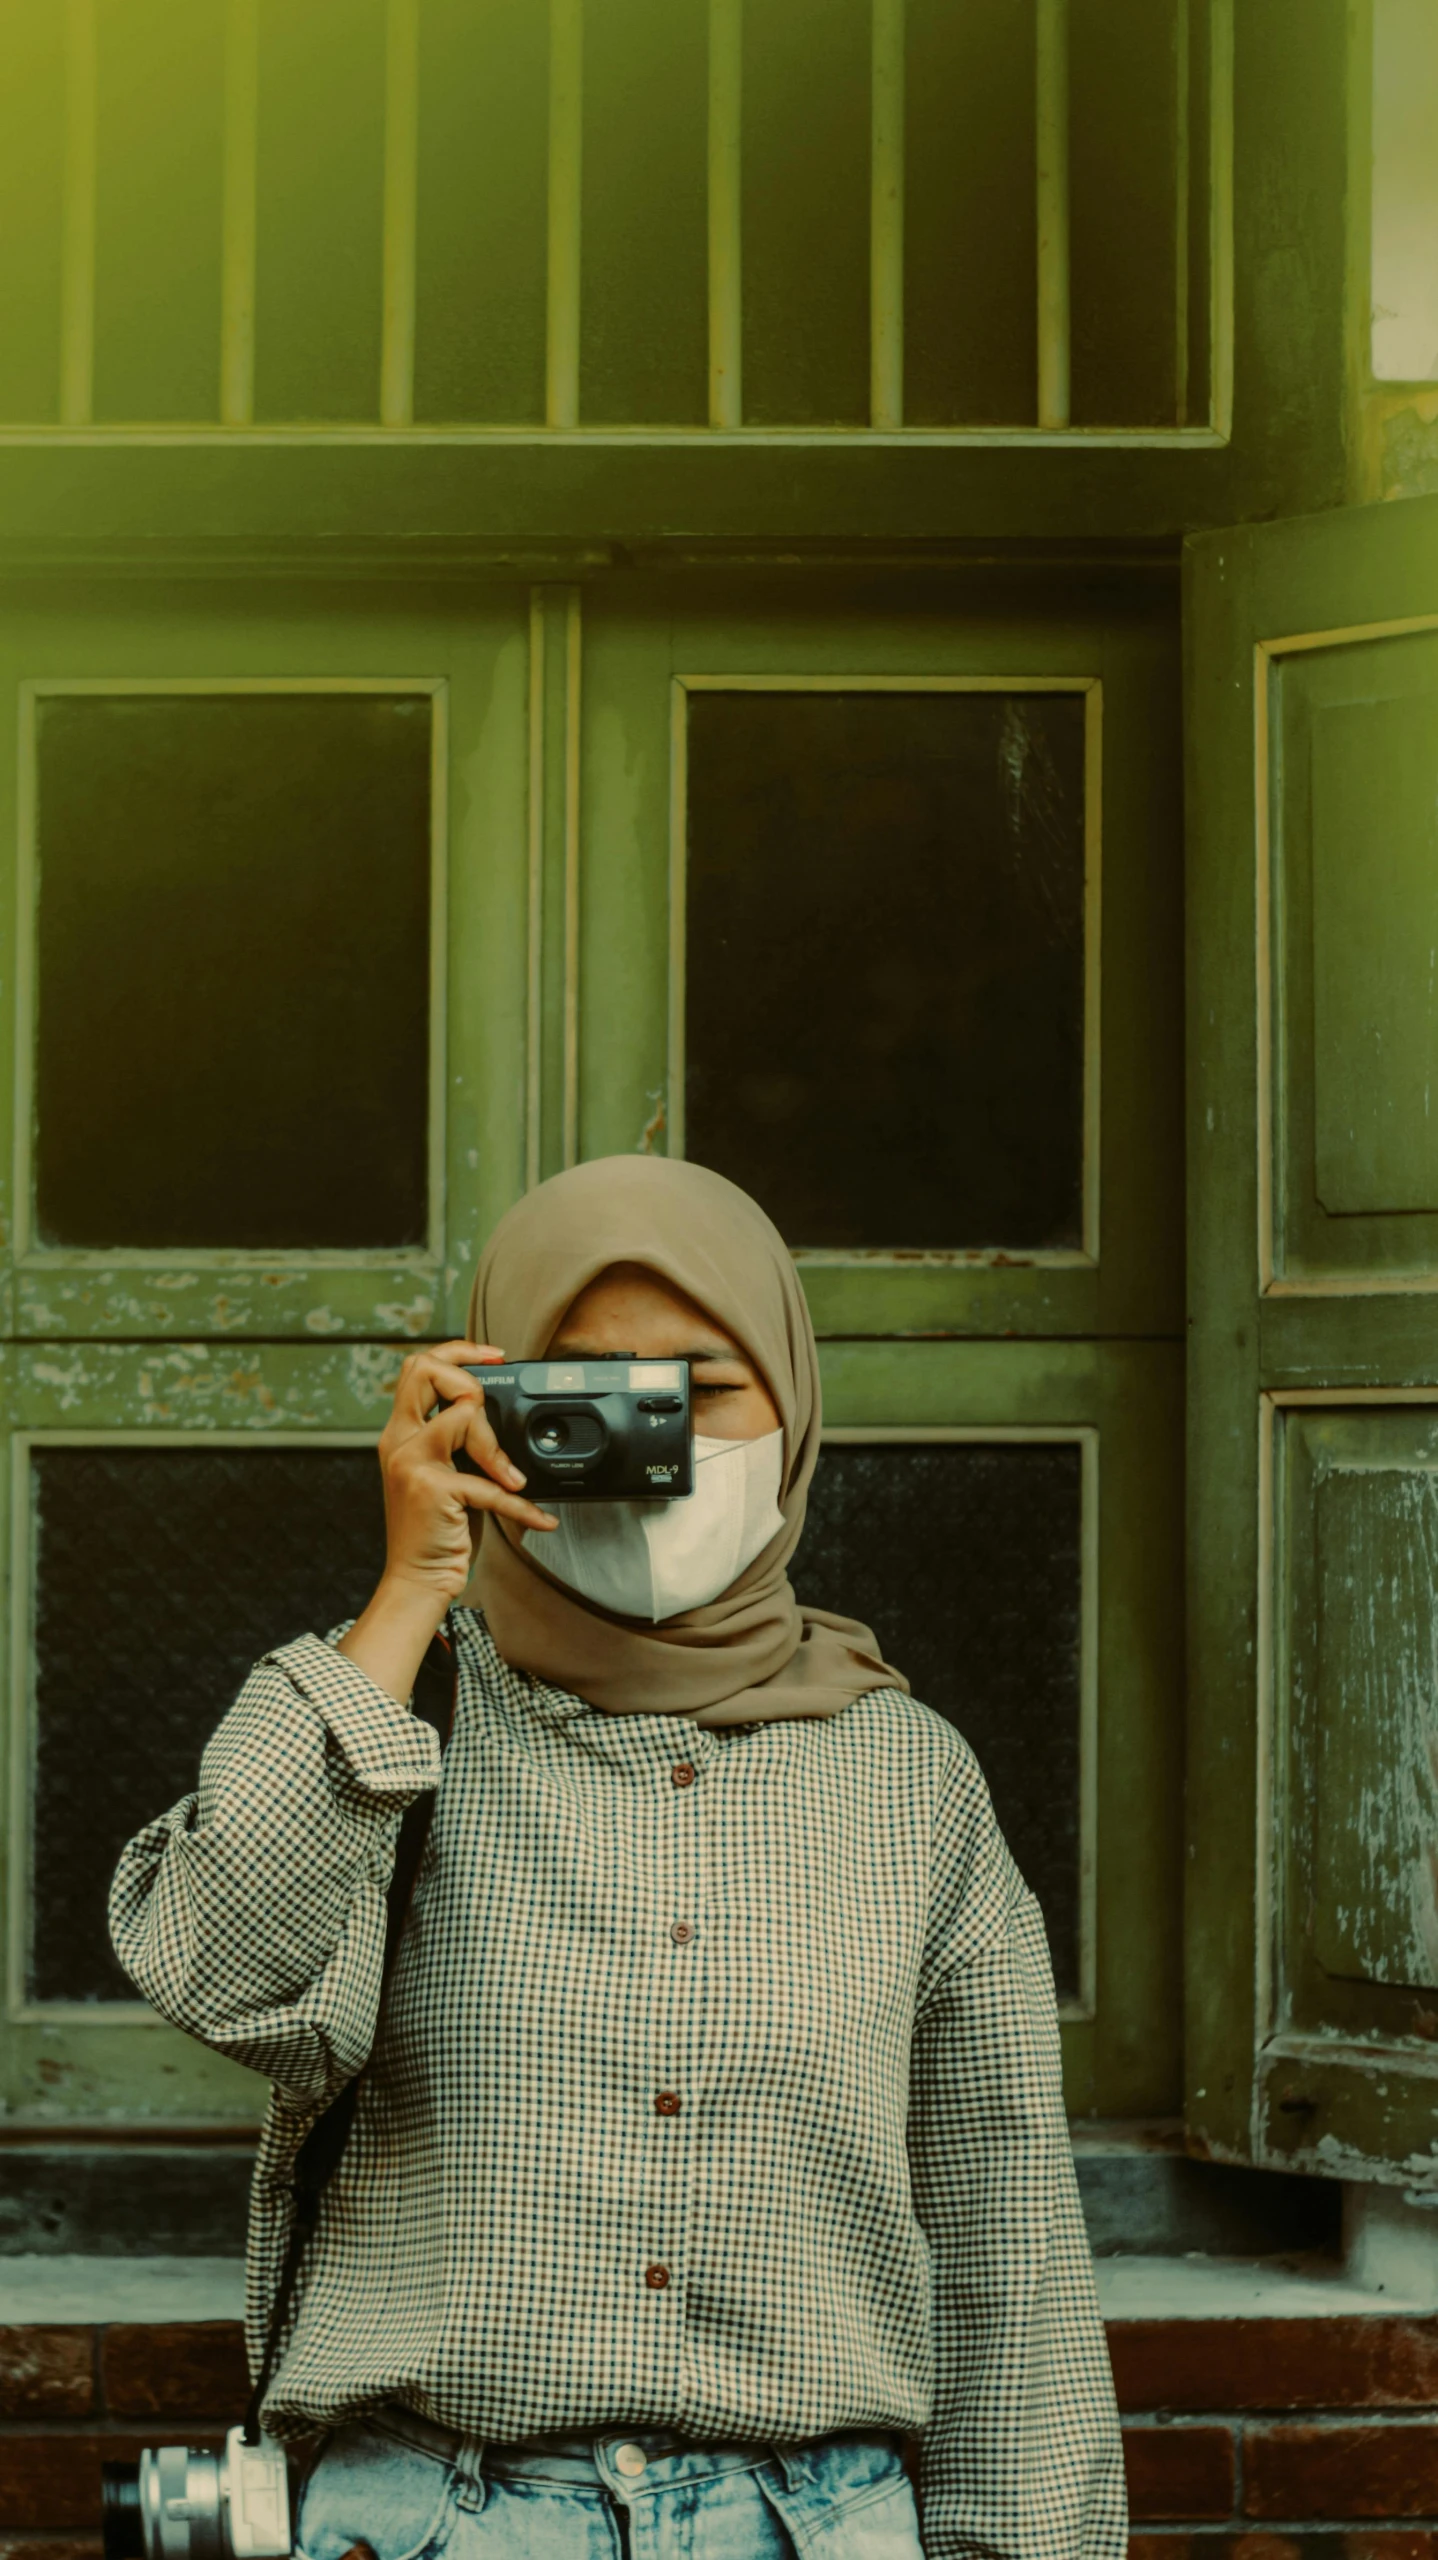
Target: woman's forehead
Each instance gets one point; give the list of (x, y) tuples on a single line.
[(630, 1294)]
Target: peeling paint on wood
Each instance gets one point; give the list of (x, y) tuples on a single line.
[(120, 1300), (204, 1386), (1376, 1903)]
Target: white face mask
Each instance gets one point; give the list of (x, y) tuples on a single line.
[(654, 1559)]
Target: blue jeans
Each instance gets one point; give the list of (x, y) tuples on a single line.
[(415, 2491)]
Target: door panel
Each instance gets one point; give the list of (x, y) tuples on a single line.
[(1312, 1938), (1035, 873), (1375, 934), (270, 887), (1352, 719), (1057, 1657), (174, 1511), (1359, 1573), (877, 896), (1095, 1814), (998, 758)]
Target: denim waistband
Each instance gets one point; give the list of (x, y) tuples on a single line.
[(587, 2455)]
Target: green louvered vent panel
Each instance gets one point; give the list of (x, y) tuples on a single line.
[(622, 216)]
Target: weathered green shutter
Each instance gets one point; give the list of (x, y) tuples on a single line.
[(1313, 1368)]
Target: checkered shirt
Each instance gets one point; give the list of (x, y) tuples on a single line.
[(862, 2209)]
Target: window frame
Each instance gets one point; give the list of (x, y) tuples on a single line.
[(326, 637), (647, 644)]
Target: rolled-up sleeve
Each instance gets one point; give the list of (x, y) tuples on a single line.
[(252, 1914), (1022, 2458)]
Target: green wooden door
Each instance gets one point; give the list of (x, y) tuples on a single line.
[(863, 887), (266, 919), (1313, 1343), (875, 908)]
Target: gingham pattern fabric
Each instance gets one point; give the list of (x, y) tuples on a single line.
[(862, 2211)]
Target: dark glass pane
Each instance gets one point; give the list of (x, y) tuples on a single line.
[(885, 963), (161, 1576), (483, 193), (233, 970), (966, 1559)]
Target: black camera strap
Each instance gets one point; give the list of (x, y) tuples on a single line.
[(320, 2153)]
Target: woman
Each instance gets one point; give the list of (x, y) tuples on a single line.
[(713, 2140)]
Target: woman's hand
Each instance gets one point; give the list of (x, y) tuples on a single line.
[(429, 1509)]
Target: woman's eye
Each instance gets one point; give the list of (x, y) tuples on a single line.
[(717, 1387)]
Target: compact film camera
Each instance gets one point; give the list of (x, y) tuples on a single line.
[(176, 2504), (613, 1430)]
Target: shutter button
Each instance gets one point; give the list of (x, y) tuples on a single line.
[(630, 2459)]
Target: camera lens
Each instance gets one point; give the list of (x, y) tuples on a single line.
[(122, 2529), (551, 1434)]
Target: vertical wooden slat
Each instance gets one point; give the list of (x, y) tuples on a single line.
[(886, 217), (401, 175), (237, 238), (1220, 217), (675, 1096), (1182, 181), (534, 992), (1052, 134), (1362, 433), (566, 58), (552, 1116), (726, 301), (572, 708), (77, 257)]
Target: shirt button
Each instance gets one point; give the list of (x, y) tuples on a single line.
[(681, 1931), (682, 1773), (631, 2459), (666, 2102), (656, 2277)]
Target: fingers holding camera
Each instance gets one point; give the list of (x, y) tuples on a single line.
[(440, 1374), (430, 1508), (439, 1411), (438, 1403)]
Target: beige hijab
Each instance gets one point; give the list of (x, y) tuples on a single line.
[(754, 1653)]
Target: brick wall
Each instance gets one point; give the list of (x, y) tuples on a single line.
[(1280, 2439), (1245, 2439), (72, 2398)]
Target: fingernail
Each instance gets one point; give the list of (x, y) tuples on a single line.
[(515, 1477)]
